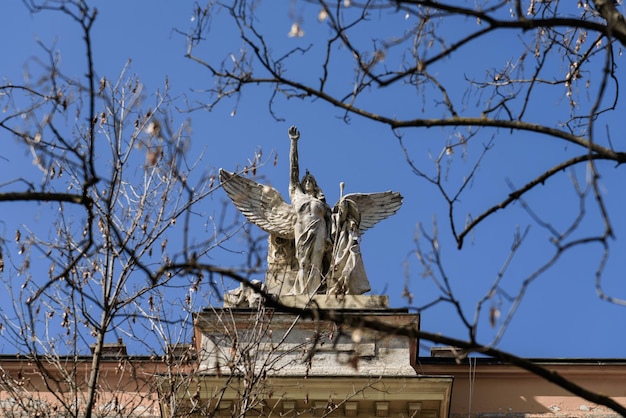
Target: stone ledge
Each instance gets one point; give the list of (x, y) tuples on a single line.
[(336, 302)]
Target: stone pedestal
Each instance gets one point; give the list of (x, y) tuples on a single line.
[(292, 366), (296, 346)]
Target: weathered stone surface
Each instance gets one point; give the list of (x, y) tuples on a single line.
[(337, 302), (287, 345), (312, 248)]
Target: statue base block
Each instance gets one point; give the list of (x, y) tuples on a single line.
[(336, 302)]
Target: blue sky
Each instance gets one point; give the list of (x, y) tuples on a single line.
[(561, 315)]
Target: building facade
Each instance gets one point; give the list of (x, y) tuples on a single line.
[(485, 387), (258, 362)]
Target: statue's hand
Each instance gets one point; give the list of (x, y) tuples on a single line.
[(294, 134)]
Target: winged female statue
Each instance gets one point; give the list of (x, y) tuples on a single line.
[(311, 247)]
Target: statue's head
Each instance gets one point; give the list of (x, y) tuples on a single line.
[(347, 210), (309, 186)]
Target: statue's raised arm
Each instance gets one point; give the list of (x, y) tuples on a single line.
[(294, 168)]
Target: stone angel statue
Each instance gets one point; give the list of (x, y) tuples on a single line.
[(354, 214), (311, 247)]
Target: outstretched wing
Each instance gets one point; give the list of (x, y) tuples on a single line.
[(262, 205), (374, 207)]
